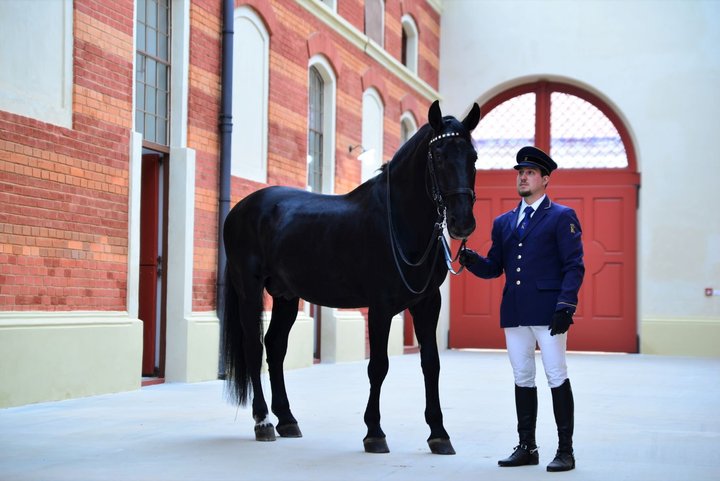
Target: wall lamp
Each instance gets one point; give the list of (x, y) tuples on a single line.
[(354, 147)]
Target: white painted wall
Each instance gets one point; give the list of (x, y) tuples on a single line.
[(658, 64), (36, 59)]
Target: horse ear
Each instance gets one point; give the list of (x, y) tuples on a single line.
[(472, 118), (435, 116)]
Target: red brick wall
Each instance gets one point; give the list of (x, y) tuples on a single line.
[(203, 136), (294, 39), (64, 192)]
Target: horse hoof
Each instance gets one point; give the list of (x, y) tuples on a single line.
[(289, 430), (264, 432), (440, 446), (376, 445)]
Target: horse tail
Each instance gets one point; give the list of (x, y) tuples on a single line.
[(237, 375)]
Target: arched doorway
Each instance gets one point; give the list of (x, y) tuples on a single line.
[(597, 177)]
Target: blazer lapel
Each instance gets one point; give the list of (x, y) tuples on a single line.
[(537, 217), (513, 220)]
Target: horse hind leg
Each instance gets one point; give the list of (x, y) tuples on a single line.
[(243, 348), (284, 313), (264, 428)]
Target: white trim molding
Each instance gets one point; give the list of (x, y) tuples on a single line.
[(50, 356), (681, 337), (361, 41)]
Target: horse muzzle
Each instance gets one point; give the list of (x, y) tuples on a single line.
[(461, 236), (459, 211), (461, 229)]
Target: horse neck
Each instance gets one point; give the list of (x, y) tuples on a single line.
[(412, 206)]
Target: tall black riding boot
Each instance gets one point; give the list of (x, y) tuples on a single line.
[(526, 406), (564, 409)]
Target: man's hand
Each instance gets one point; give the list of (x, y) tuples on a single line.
[(560, 323), (468, 257)]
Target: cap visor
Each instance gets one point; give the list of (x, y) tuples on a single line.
[(528, 164)]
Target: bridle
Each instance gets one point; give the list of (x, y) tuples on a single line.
[(438, 196)]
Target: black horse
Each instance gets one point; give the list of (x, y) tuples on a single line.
[(374, 247)]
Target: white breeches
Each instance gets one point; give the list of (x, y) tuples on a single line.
[(521, 341)]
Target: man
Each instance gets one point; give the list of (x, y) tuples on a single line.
[(538, 246)]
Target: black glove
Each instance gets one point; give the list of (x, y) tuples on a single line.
[(560, 323), (468, 257)]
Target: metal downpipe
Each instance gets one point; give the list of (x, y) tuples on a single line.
[(225, 159)]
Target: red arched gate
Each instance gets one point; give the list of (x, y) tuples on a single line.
[(587, 137)]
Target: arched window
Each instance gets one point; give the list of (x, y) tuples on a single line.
[(321, 126), (375, 20), (408, 127), (409, 43), (316, 131), (372, 133), (251, 47), (574, 126)]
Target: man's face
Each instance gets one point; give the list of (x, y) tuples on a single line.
[(530, 181)]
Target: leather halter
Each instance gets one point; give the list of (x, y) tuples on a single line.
[(437, 193)]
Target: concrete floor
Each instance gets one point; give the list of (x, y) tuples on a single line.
[(638, 418)]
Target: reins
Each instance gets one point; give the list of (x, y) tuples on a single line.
[(395, 245), (437, 237), (448, 255)]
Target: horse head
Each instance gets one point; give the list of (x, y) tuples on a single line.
[(451, 161)]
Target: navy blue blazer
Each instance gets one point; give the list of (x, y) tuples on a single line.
[(543, 266)]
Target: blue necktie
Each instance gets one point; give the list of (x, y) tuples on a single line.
[(525, 220)]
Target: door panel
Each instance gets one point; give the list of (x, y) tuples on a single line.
[(606, 318), (149, 231)]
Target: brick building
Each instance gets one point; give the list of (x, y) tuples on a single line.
[(111, 143), (114, 125)]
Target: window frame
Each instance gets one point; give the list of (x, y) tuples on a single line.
[(141, 57), (543, 90), (254, 169), (410, 42), (369, 27), (407, 122), (323, 67), (372, 134)]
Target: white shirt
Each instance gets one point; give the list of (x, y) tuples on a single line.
[(524, 204)]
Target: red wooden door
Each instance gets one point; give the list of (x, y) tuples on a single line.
[(606, 203), (149, 232)]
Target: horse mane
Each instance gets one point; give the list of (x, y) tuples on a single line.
[(410, 145)]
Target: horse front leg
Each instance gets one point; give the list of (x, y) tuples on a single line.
[(425, 319), (379, 331), (284, 313)]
